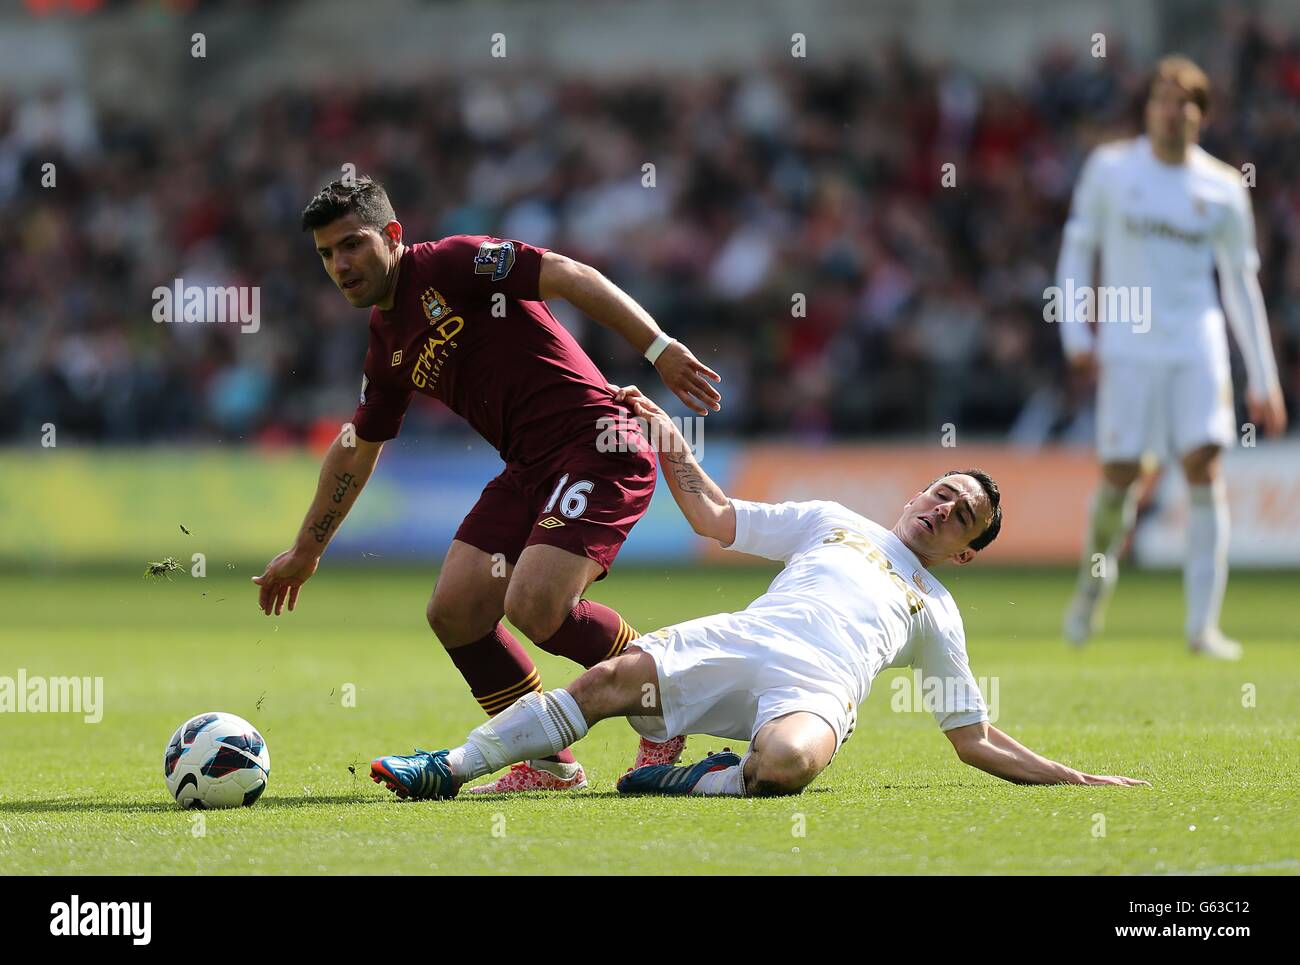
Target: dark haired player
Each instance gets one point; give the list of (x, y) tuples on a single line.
[(788, 671), (464, 320)]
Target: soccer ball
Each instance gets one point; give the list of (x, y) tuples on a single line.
[(216, 760)]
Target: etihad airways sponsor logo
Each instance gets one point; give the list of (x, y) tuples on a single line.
[(436, 351)]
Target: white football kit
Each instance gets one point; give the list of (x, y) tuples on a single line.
[(851, 601), (1164, 382)]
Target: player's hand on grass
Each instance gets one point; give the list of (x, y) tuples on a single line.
[(283, 578), (1098, 780), (688, 378), (1268, 412)]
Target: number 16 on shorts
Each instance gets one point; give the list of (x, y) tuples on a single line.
[(573, 500)]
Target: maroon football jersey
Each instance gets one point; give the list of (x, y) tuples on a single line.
[(515, 375)]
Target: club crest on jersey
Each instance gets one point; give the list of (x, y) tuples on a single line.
[(434, 305), (365, 384), (921, 582), (495, 258), (397, 358)]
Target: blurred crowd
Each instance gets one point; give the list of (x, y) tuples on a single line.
[(800, 235)]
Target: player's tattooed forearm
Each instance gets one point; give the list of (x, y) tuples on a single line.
[(321, 528), (687, 473), (345, 481)]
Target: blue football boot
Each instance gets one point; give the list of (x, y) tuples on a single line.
[(673, 779), (422, 775)]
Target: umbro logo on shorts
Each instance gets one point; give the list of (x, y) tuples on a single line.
[(550, 522)]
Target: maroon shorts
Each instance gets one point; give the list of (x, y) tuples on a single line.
[(580, 500)]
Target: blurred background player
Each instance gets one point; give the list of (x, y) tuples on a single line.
[(464, 320), (1164, 214)]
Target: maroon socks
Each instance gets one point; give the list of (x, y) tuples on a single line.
[(592, 632)]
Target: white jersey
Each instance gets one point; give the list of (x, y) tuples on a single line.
[(854, 593), (1162, 229)]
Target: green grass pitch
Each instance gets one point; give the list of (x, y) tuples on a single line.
[(82, 798)]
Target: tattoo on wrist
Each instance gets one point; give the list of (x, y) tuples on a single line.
[(321, 528)]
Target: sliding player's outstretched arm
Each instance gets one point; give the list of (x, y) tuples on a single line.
[(984, 746), (342, 476), (587, 290), (701, 500)]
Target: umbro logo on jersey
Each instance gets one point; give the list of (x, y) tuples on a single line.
[(397, 358), (550, 522)]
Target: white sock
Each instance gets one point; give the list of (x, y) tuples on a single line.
[(1205, 569), (535, 725), (467, 762), (728, 782), (1111, 518)]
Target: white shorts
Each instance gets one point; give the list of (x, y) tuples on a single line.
[(1168, 408), (727, 675)]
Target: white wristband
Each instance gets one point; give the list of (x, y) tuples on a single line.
[(656, 349)]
